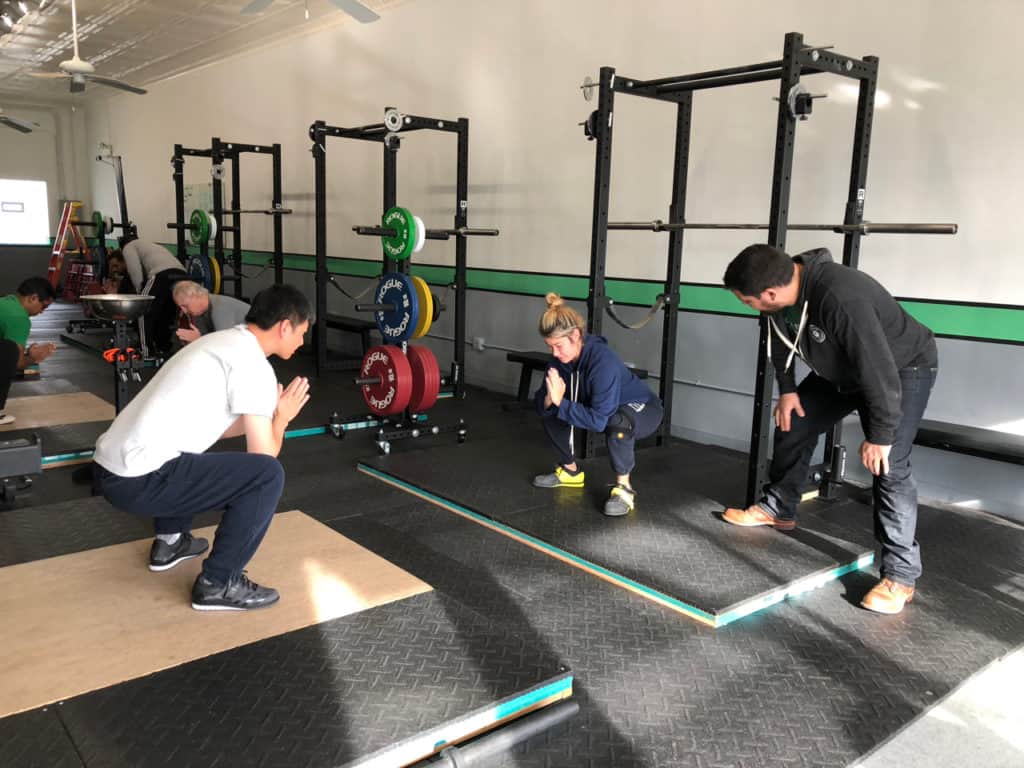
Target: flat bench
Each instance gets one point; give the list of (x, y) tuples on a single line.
[(973, 441), (538, 361), (359, 325)]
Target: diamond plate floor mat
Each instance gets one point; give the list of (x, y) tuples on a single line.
[(674, 549), (384, 687)]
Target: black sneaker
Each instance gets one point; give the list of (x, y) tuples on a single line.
[(164, 556), (239, 594)]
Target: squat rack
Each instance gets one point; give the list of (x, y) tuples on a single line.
[(220, 152), (795, 104), (389, 135)]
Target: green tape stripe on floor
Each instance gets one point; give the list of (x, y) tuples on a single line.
[(953, 319), (527, 700), (797, 588), (544, 546)]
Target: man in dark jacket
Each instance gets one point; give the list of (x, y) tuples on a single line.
[(866, 354)]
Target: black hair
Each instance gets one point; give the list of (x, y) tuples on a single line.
[(276, 303), (757, 268), (37, 286)]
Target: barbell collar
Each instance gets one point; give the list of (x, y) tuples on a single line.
[(375, 307), (864, 228)]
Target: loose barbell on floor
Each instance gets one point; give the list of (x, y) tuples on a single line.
[(864, 228), (402, 234)]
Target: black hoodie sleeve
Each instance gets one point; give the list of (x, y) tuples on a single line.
[(786, 379), (860, 335)]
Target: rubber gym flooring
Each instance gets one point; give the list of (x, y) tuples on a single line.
[(811, 681)]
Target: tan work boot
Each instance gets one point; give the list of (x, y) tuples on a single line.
[(754, 515), (887, 597)]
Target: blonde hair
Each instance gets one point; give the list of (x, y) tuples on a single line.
[(186, 289), (559, 319)]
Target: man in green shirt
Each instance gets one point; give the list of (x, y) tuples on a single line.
[(16, 310)]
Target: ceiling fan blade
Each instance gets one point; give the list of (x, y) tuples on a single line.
[(356, 10), (115, 84), (256, 6), (16, 124), (49, 75)]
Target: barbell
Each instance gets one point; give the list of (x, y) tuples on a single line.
[(393, 381), (104, 224), (864, 228), (402, 234), (403, 307), (202, 225)]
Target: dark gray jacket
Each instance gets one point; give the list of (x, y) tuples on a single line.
[(855, 335)]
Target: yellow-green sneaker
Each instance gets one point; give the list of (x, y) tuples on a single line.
[(620, 502), (560, 478)]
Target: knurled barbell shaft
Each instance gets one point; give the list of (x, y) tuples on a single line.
[(369, 381), (375, 307), (865, 228), (266, 211)]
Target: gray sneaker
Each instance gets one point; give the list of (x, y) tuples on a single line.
[(5, 419), (620, 502), (164, 556), (560, 478)]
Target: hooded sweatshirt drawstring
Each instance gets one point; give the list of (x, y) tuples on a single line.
[(794, 346), (574, 388)]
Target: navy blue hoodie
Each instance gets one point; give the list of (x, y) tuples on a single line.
[(602, 382)]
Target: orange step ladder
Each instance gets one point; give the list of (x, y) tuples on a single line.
[(60, 245)]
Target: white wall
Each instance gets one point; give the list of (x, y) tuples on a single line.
[(945, 137), (55, 152)]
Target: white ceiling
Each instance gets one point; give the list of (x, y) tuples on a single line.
[(143, 41)]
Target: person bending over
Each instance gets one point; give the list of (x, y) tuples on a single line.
[(866, 354), (153, 271), (587, 387), (153, 461), (202, 312), (33, 296)]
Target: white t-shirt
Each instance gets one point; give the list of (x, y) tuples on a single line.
[(190, 403)]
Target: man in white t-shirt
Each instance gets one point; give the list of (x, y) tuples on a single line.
[(152, 461)]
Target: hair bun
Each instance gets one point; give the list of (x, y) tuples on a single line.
[(554, 300)]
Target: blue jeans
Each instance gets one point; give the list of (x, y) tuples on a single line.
[(247, 486), (625, 427), (895, 493)]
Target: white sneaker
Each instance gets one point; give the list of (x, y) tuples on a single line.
[(5, 419)]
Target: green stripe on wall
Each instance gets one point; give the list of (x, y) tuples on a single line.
[(987, 323)]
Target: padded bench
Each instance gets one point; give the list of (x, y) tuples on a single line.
[(538, 361), (973, 441), (358, 325)]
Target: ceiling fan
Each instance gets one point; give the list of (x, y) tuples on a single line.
[(79, 71), (23, 126), (353, 8)]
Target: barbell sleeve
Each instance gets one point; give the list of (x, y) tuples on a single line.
[(375, 307), (374, 231)]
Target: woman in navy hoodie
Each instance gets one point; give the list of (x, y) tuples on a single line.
[(587, 387)]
